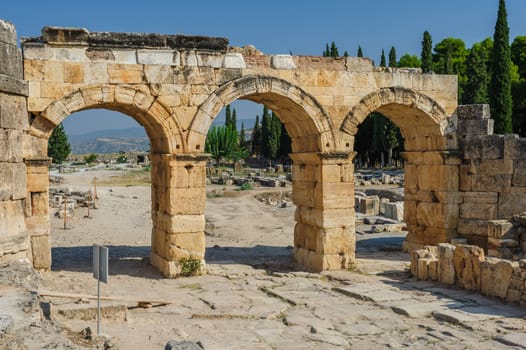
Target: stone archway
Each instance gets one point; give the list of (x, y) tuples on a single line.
[(158, 121), (431, 204), (323, 235)]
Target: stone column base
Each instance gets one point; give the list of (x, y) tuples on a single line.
[(312, 261), (173, 269), (41, 252)]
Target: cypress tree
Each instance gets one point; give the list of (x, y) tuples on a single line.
[(326, 53), (58, 145), (233, 120), (392, 57), (265, 132), (500, 86), (427, 55), (334, 50), (476, 91), (274, 136), (256, 137), (382, 59), (360, 52), (242, 140), (285, 143), (228, 115), (345, 54)]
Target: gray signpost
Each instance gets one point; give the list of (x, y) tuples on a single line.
[(100, 273)]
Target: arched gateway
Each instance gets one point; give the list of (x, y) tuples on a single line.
[(176, 85)]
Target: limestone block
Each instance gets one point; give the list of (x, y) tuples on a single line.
[(433, 235), (446, 269), (474, 111), (7, 33), (465, 178), (210, 59), (369, 205), (11, 59), (158, 57), (185, 201), (96, 73), (502, 243), (19, 181), (410, 212), (234, 61), (502, 229), (491, 167), (125, 56), (158, 74), (432, 269), (187, 176), (511, 203), (13, 244), (179, 223), (514, 147), (282, 62), (118, 74), (480, 211), (11, 218), (73, 73), (496, 183), (185, 245), (438, 177), (475, 127), (10, 141), (325, 217), (481, 197), (335, 240), (41, 252), (437, 215), (467, 259), (495, 276), (394, 210), (305, 236), (484, 147), (13, 112)]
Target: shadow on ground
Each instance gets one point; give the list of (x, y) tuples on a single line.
[(134, 260)]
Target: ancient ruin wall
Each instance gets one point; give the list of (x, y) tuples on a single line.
[(492, 183), (14, 239)]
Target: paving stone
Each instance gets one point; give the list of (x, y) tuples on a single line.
[(371, 293), (470, 314), (513, 339), (417, 309)]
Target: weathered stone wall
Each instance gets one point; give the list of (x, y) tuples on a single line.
[(492, 182), (14, 239), (467, 267)]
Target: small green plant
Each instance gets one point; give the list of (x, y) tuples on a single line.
[(190, 266), (91, 158), (122, 159), (245, 186)]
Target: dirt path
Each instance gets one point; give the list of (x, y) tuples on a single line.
[(251, 297)]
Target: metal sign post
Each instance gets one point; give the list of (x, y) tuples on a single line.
[(100, 273)]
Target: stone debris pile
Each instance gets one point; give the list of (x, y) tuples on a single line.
[(67, 200), (254, 179)]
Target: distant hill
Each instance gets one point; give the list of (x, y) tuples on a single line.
[(110, 141)]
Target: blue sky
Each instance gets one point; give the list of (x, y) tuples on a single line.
[(300, 27)]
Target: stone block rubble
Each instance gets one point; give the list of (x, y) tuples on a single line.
[(468, 267)]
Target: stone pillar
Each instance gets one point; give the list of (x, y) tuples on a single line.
[(323, 191), (178, 208), (37, 211), (432, 197), (14, 240)]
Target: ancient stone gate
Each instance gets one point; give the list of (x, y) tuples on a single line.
[(175, 86)]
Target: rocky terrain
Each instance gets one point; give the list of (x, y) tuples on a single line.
[(252, 297)]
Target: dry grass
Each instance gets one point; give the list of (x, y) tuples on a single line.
[(128, 178)]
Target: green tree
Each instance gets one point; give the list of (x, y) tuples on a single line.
[(285, 143), (90, 158), (476, 91), (500, 84), (326, 52), (382, 59), (256, 137), (392, 57), (265, 132), (233, 120), (334, 50), (222, 144), (518, 54), (274, 137), (345, 54), (228, 115), (450, 58), (242, 139), (519, 107), (58, 145), (360, 52), (390, 138), (409, 61), (427, 55)]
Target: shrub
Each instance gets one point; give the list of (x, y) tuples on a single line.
[(190, 266)]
